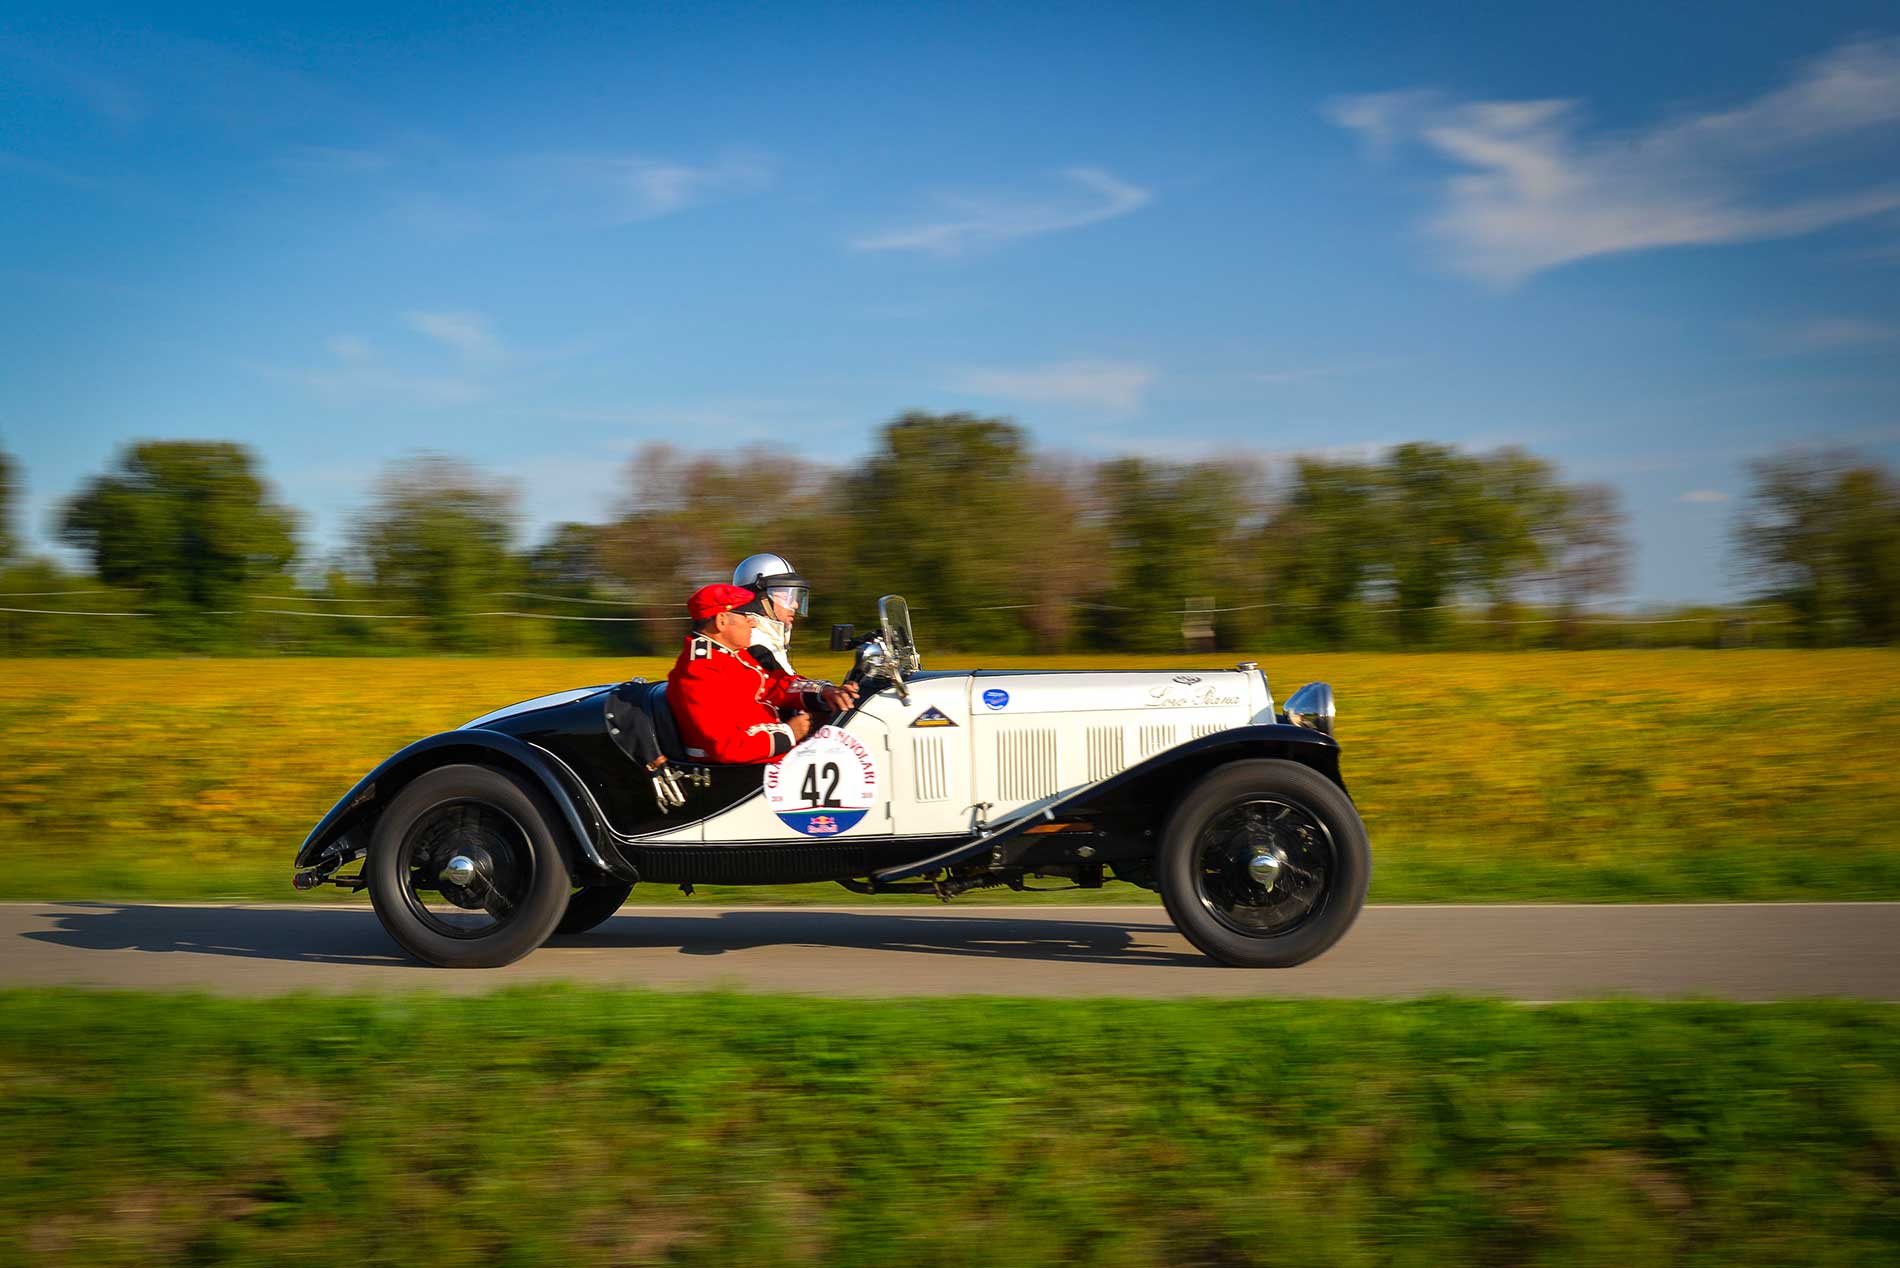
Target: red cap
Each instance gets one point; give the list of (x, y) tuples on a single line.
[(714, 599)]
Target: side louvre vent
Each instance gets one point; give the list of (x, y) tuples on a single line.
[(1105, 752), (1155, 738), (932, 765), (1026, 764), (1208, 728)]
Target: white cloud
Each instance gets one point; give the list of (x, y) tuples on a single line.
[(357, 374), (1827, 333), (1108, 385), (622, 189), (1381, 118), (1303, 374), (465, 333), (1088, 195), (42, 170), (1536, 191), (1706, 497), (1299, 376), (333, 160), (1240, 451), (354, 384), (113, 98), (349, 348)]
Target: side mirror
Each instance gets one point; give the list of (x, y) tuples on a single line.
[(841, 638)]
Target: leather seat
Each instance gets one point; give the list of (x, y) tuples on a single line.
[(663, 726)]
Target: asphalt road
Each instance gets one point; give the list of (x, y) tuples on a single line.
[(1733, 951)]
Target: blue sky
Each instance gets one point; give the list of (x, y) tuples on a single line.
[(1649, 242)]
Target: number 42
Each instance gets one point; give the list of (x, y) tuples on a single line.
[(809, 789)]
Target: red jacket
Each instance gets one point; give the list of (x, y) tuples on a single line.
[(727, 707)]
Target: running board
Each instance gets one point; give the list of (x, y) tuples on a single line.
[(983, 847)]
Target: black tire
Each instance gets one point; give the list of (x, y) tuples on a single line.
[(1312, 827), (591, 905), (530, 873)]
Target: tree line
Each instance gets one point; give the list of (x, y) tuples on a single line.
[(999, 547)]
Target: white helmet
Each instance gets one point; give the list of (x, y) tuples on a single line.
[(773, 577)]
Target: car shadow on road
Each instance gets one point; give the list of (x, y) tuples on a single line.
[(1035, 935), (353, 936), (321, 935)]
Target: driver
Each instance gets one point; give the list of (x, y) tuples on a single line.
[(781, 597), (727, 708)]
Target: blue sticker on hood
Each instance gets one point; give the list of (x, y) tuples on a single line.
[(996, 697)]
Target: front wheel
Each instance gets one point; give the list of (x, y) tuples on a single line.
[(464, 870), (1264, 864)]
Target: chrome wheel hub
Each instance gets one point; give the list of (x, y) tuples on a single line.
[(467, 877), (1265, 867)]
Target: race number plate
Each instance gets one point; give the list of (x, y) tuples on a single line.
[(825, 785)]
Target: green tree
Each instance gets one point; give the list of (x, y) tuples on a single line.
[(1821, 534), (1061, 575), (935, 516), (1173, 534), (1427, 526), (190, 524), (1435, 518), (687, 520), (1519, 519), (8, 491), (567, 562), (1324, 546), (1591, 553), (437, 536)]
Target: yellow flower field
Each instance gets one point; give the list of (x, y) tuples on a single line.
[(1601, 776)]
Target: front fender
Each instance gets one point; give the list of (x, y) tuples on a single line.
[(358, 807), (1184, 763)]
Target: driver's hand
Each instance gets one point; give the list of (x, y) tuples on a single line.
[(800, 724), (838, 699)]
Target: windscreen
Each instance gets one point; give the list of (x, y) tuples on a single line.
[(894, 614)]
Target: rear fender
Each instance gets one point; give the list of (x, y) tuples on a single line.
[(348, 824)]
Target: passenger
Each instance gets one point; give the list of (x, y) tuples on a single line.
[(782, 596), (728, 708)]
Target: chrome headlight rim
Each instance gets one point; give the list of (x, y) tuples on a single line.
[(1312, 707)]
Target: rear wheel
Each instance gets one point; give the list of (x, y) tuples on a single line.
[(1264, 864), (464, 870), (591, 905)]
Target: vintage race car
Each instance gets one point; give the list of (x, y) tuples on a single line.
[(478, 844)]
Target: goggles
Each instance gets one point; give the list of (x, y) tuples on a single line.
[(798, 598)]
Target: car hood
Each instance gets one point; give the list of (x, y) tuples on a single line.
[(1203, 697)]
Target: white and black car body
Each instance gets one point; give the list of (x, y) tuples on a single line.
[(479, 843)]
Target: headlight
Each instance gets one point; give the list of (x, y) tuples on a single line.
[(1312, 707)]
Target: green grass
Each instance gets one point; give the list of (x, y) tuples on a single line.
[(1600, 776), (581, 1127)]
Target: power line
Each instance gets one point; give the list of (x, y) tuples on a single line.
[(558, 598), (71, 612), (335, 616), (35, 594), (551, 616)]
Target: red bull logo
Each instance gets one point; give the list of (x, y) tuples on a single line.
[(822, 826)]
